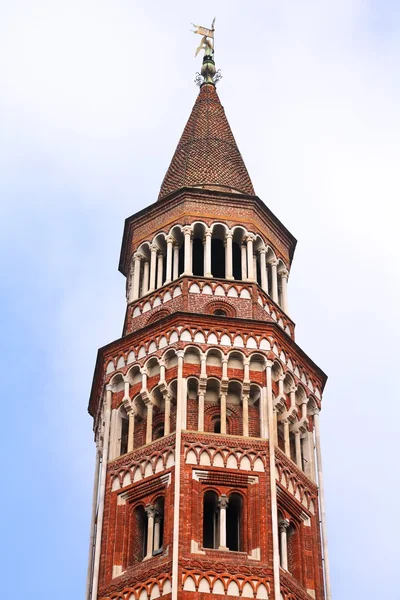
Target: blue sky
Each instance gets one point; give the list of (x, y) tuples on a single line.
[(94, 96)]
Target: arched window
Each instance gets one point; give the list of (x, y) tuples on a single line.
[(220, 312), (198, 257), (210, 520), (218, 258), (233, 523), (139, 534), (158, 432), (124, 433), (158, 542), (217, 426)]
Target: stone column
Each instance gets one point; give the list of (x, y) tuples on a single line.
[(298, 449), (228, 256), (246, 369), (263, 269), (187, 230), (223, 412), (207, 252), (243, 257), (245, 400), (137, 257), (160, 269), (274, 280), (274, 503), (102, 487), (286, 437), (322, 506), (168, 269), (93, 521), (201, 410), (222, 503), (149, 421), (176, 262), (250, 251), (153, 264), (283, 526), (255, 267), (292, 393), (151, 513), (284, 279), (167, 415), (145, 280)]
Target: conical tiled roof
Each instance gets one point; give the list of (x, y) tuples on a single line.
[(207, 154)]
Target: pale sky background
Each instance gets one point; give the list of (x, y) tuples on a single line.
[(93, 98)]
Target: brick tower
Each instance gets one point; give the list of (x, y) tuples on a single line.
[(208, 478)]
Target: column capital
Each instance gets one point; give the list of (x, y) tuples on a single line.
[(284, 273), (316, 411), (109, 388), (180, 353), (223, 501), (208, 232), (273, 262), (187, 229), (283, 525), (228, 234), (262, 250), (150, 510), (170, 238), (250, 237), (154, 247), (138, 256)]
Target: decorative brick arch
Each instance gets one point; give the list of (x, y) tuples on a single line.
[(159, 314), (220, 304)]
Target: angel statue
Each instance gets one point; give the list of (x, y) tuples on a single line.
[(206, 43)]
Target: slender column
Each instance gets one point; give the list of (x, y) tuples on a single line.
[(243, 257), (160, 269), (203, 365), (292, 393), (311, 454), (151, 513), (201, 411), (283, 525), (228, 256), (255, 267), (176, 262), (298, 449), (322, 506), (250, 251), (246, 369), (263, 269), (168, 270), (157, 530), (100, 510), (207, 252), (286, 437), (137, 257), (224, 368), (177, 483), (149, 421), (167, 415), (245, 400), (131, 431), (162, 371), (187, 230), (284, 279), (223, 412), (222, 503), (274, 280), (145, 280), (153, 264), (93, 521), (274, 503)]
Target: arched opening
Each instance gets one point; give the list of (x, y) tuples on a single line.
[(237, 261), (139, 535), (217, 425), (198, 257), (124, 432), (218, 258), (210, 520), (220, 312), (158, 432), (233, 523), (158, 542)]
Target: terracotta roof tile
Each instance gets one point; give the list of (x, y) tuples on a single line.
[(207, 154)]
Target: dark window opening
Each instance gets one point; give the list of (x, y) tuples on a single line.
[(158, 433), (181, 260), (258, 271), (139, 537), (218, 259), (217, 426), (124, 435), (233, 523), (198, 257), (237, 261), (220, 312), (210, 520)]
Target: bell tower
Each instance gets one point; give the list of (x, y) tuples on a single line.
[(208, 479)]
